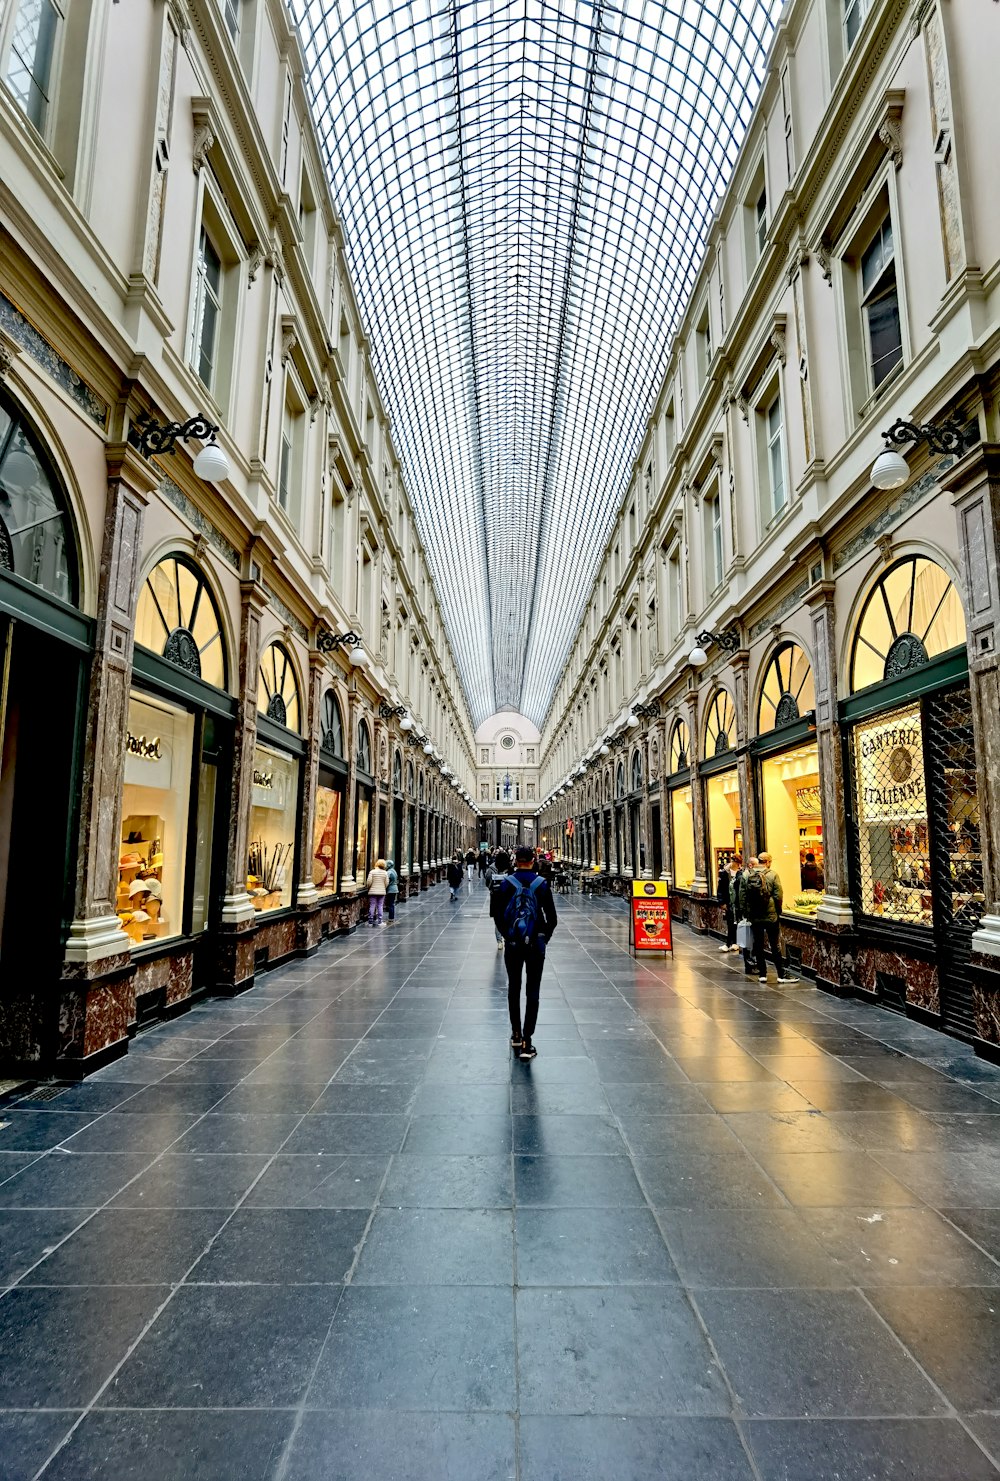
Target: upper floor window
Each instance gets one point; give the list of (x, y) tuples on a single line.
[(880, 305), (207, 311), (854, 13), (771, 458), (760, 222), (32, 57), (713, 541)]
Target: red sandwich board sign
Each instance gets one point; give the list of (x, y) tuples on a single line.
[(650, 916)]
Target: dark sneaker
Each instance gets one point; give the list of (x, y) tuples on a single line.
[(516, 1041), (527, 1050)]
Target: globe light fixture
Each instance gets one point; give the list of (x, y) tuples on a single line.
[(890, 470), (211, 464)]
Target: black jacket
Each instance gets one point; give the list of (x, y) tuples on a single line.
[(455, 873), (503, 892)]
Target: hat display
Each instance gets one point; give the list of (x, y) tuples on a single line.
[(139, 887)]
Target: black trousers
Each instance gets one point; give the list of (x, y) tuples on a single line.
[(769, 931), (518, 959), (730, 926)]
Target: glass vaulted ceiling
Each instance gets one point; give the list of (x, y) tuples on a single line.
[(525, 190)]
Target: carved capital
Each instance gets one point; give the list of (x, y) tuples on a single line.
[(289, 339), (255, 262), (778, 340), (889, 129), (824, 264)]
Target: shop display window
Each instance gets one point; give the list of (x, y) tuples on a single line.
[(156, 798), (36, 537), (725, 836), (273, 812), (326, 839), (894, 867), (361, 837), (682, 828), (793, 826), (277, 687), (208, 789)]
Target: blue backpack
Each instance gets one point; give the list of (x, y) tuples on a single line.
[(521, 919)]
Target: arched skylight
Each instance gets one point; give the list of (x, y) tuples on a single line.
[(526, 189)]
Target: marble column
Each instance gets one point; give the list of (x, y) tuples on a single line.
[(348, 884), (744, 766), (834, 930), (700, 884), (235, 966), (97, 1000), (974, 485)]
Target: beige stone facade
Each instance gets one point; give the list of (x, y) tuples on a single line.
[(179, 707), (851, 279)]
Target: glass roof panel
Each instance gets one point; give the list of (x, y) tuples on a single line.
[(525, 189)]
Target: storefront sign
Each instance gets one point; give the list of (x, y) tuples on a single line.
[(650, 916), (890, 769), (147, 748)]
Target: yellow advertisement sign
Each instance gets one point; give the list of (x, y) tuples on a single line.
[(651, 889)]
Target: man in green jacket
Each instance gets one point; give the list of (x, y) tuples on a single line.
[(761, 899)]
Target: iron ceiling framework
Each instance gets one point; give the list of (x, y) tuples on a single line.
[(526, 189)]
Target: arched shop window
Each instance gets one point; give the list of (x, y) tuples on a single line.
[(332, 727), (176, 616), (397, 772), (330, 784), (420, 787), (174, 746), (409, 778), (913, 614), (275, 786), (680, 747), (637, 771), (36, 536), (720, 724), (364, 748), (620, 780), (915, 825), (788, 692), (277, 688)]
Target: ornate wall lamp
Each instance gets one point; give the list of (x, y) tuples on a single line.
[(890, 469), (153, 438), (647, 712), (391, 712), (728, 640), (329, 642)]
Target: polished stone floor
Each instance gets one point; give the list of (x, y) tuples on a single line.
[(714, 1232)]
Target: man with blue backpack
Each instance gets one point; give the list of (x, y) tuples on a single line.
[(521, 904)]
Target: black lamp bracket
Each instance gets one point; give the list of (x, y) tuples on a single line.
[(163, 437), (647, 711), (941, 437), (328, 642), (391, 712), (728, 640)]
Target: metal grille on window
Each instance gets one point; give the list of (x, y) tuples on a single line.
[(891, 844)]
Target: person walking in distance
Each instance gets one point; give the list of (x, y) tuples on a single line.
[(521, 904), (761, 899), (376, 885), (470, 862), (391, 890), (496, 870), (727, 894), (455, 876)]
